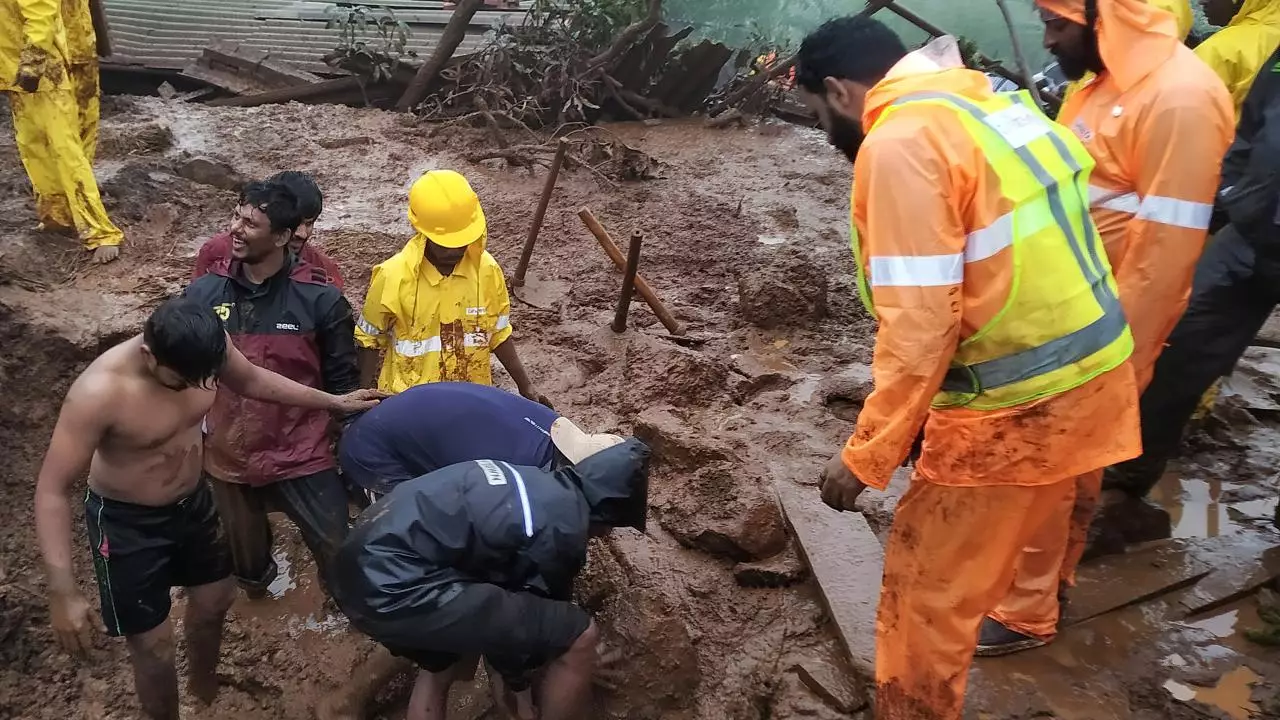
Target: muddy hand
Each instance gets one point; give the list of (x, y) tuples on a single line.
[(358, 401), (73, 623), (840, 487), (608, 675)]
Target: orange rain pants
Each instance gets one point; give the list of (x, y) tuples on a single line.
[(950, 558)]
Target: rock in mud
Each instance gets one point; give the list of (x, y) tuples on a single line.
[(722, 511), (834, 685), (791, 293), (659, 372), (782, 570), (677, 444), (659, 661), (208, 171)]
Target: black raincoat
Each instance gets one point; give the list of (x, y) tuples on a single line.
[(521, 528)]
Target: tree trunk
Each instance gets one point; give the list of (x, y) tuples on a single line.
[(450, 39)]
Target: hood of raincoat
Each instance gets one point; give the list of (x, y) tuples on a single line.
[(410, 258), (1257, 12), (937, 66), (615, 483), (1134, 39)]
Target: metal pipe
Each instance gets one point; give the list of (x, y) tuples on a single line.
[(538, 216), (628, 283)]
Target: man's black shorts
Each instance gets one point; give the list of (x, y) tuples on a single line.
[(518, 632), (139, 552)]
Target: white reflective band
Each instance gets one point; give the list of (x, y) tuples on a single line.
[(367, 327), (917, 271), (982, 244), (524, 500), (417, 348), (1125, 202), (504, 322), (1179, 213)]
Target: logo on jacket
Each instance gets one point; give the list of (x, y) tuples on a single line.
[(1082, 131), (288, 326), (223, 311)]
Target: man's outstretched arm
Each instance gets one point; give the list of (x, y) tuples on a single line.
[(75, 438), (244, 378)]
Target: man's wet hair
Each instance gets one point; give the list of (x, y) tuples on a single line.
[(860, 49), (187, 338), (303, 187), (276, 201)]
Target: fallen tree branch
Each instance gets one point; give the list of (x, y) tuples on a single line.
[(454, 33), (629, 36)]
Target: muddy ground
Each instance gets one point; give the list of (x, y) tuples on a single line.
[(744, 239)]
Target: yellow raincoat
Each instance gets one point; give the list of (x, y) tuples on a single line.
[(1237, 52), (56, 126), (435, 328)]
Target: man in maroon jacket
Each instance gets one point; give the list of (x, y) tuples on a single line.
[(284, 315), (217, 249)]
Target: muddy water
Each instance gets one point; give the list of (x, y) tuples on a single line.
[(1199, 506)]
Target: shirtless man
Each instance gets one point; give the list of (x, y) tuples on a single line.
[(133, 420)]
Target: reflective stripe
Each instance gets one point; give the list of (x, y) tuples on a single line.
[(1178, 213), (417, 348), (917, 271), (524, 500), (1063, 351), (982, 244), (367, 327), (1125, 202), (504, 322)]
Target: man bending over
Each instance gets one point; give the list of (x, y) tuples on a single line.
[(479, 559), (132, 419)]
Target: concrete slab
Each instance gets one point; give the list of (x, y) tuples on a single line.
[(1118, 581), (847, 562)]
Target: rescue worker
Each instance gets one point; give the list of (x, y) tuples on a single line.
[(284, 315), (479, 559), (1157, 122), (48, 70), (1237, 287), (437, 425), (439, 308), (218, 248), (1017, 393), (1181, 11), (1238, 51), (433, 426)]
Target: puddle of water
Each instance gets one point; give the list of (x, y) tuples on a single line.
[(1231, 694), (284, 577), (1196, 511), (1222, 626)]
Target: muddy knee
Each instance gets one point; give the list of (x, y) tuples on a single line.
[(152, 651), (210, 603)]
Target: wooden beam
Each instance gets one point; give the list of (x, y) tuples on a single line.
[(290, 94), (454, 33), (847, 563)]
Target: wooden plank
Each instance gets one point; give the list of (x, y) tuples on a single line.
[(1119, 581), (228, 80), (847, 563), (300, 93), (257, 63)]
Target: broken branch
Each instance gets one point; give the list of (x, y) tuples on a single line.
[(642, 287)]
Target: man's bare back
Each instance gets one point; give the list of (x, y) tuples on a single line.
[(150, 450)]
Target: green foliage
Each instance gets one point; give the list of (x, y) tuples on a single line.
[(372, 42), (591, 23)]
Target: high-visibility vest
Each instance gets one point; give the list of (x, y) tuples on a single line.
[(1061, 324)]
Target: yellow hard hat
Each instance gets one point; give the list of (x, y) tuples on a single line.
[(443, 207)]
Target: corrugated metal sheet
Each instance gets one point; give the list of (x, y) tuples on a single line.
[(165, 34)]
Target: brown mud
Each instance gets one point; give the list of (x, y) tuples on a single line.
[(744, 241)]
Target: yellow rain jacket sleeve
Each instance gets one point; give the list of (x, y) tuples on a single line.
[(32, 36), (1236, 53), (435, 328)]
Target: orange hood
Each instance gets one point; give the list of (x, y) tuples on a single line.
[(936, 66), (1134, 38)]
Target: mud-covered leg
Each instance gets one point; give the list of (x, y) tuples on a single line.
[(154, 675), (430, 695), (206, 614), (565, 691)]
